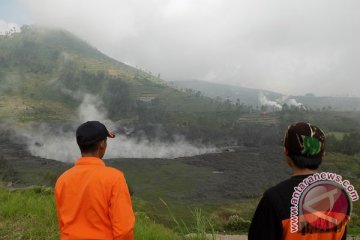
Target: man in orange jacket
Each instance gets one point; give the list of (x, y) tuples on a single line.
[(93, 201)]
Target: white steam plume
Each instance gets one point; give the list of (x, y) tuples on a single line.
[(264, 101), (293, 103), (277, 105), (61, 145)]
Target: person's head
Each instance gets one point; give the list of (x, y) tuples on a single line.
[(304, 145), (91, 137)]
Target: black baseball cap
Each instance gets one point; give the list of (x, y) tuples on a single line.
[(305, 140), (92, 132)]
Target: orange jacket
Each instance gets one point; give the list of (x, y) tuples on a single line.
[(93, 202)]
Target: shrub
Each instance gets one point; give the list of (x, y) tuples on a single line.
[(236, 223)]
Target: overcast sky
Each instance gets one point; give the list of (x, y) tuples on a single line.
[(293, 47)]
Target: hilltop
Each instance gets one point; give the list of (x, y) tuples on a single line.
[(45, 72)]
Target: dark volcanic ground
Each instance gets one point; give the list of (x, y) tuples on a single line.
[(18, 168), (211, 178)]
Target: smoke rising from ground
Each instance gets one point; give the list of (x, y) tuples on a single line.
[(264, 101), (278, 104), (293, 103), (59, 143)]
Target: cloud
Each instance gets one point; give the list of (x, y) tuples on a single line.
[(289, 46), (8, 27)]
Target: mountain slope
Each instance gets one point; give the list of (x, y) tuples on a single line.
[(45, 72), (45, 75), (252, 97), (248, 96), (330, 103)]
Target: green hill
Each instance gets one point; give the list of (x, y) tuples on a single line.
[(251, 96), (248, 96), (44, 72)]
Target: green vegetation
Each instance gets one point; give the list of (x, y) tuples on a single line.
[(250, 96), (31, 214), (147, 229), (348, 144), (44, 74), (234, 217), (247, 96), (28, 214)]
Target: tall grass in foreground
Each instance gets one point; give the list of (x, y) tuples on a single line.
[(30, 214), (146, 229), (199, 231)]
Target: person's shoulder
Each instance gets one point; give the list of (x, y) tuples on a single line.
[(113, 172), (66, 173), (113, 176), (64, 176)]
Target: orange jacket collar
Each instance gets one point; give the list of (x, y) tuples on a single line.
[(90, 161)]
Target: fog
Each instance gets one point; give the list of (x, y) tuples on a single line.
[(59, 143), (292, 47), (8, 27)]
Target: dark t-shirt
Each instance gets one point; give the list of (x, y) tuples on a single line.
[(272, 216)]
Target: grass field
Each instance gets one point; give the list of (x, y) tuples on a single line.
[(30, 214)]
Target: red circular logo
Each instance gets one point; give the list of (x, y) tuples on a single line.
[(324, 206)]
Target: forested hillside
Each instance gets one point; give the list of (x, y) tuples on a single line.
[(44, 72), (253, 97)]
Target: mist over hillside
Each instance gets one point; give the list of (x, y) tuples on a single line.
[(51, 81), (254, 97), (44, 74), (247, 96), (48, 75)]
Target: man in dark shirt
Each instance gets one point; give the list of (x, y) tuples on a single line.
[(308, 205)]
